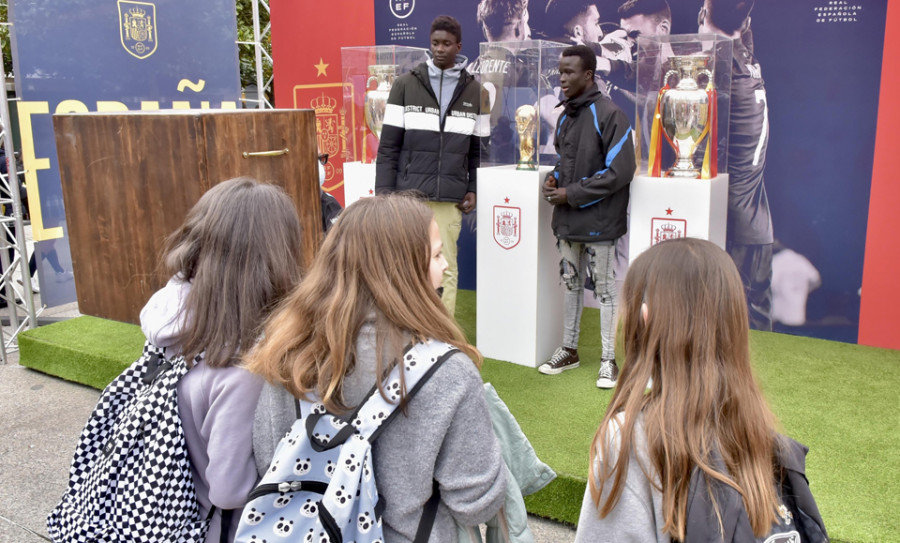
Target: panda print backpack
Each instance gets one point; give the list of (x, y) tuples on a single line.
[(320, 486)]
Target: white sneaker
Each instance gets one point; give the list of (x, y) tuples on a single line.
[(63, 276)]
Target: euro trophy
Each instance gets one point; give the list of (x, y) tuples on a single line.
[(525, 116), (687, 114), (376, 99)]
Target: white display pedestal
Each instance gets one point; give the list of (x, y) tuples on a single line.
[(359, 181), (664, 208), (520, 298)]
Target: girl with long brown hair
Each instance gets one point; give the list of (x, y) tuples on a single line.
[(370, 292), (236, 255), (688, 448)]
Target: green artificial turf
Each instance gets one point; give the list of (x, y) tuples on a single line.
[(839, 399), (85, 350)]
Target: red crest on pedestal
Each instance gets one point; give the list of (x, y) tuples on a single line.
[(662, 229), (507, 226)]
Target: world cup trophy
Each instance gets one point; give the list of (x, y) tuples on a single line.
[(525, 117)]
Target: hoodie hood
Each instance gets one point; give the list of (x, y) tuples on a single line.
[(162, 319), (444, 82), (458, 66), (572, 105)]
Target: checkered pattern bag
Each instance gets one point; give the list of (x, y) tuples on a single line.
[(320, 486), (130, 478)]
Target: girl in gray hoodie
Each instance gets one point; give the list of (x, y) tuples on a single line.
[(688, 448), (371, 291)]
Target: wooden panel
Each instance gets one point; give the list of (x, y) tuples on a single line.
[(129, 179), (229, 134)]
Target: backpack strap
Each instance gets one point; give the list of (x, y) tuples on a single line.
[(419, 362), (224, 524), (426, 523)]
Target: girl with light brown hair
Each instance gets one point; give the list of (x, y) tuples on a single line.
[(236, 255), (688, 448), (370, 292)]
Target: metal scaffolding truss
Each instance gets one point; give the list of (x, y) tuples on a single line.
[(15, 279), (263, 85)]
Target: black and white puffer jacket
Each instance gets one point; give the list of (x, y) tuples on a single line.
[(418, 151)]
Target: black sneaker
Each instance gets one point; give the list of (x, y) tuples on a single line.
[(562, 360), (609, 372)]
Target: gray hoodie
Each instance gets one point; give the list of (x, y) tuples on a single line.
[(216, 407), (638, 515), (446, 435), (443, 82)]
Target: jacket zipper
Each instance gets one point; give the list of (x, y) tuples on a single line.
[(440, 135)]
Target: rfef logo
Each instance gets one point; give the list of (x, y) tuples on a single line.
[(138, 28), (507, 226), (663, 229), (402, 8)]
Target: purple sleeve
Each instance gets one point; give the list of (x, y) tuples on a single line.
[(228, 431)]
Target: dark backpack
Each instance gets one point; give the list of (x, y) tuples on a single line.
[(131, 478), (799, 520)]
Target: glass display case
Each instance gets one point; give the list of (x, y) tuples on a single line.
[(368, 73), (683, 105), (522, 82)]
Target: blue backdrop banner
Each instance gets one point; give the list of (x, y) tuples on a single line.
[(803, 58), (80, 55)]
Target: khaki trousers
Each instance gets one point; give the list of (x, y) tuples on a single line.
[(449, 221)]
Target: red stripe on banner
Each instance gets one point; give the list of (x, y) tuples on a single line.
[(307, 37), (879, 318)]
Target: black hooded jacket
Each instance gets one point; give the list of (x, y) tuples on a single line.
[(596, 164)]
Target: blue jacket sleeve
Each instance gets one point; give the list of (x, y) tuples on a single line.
[(617, 144)]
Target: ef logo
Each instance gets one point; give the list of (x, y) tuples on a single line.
[(402, 8)]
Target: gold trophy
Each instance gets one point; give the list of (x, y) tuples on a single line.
[(525, 116)]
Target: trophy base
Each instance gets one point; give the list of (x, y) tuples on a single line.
[(526, 166), (683, 174)]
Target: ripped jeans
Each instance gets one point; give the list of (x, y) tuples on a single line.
[(600, 259)]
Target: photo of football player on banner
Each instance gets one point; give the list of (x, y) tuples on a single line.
[(800, 176)]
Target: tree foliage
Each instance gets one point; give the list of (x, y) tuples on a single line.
[(246, 52), (4, 37)]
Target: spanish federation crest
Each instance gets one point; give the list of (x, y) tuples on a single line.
[(137, 28), (328, 124), (665, 229), (507, 226)]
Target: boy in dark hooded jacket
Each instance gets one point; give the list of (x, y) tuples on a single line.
[(589, 191)]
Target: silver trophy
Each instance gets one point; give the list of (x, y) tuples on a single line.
[(685, 112), (376, 98)]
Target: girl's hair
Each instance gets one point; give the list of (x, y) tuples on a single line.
[(703, 401), (374, 261), (240, 248)]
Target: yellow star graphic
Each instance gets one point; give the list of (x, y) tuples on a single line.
[(321, 67)]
